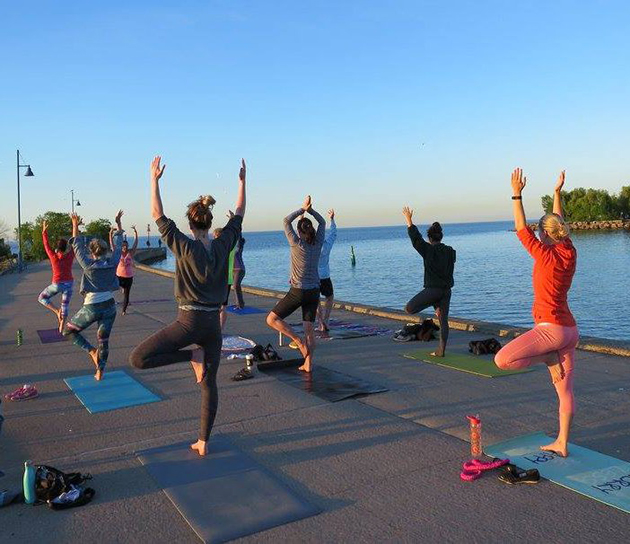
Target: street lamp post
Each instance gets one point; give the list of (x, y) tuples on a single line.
[(73, 200), (28, 173)]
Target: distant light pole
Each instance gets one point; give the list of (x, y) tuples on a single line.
[(148, 234), (28, 173), (73, 200)]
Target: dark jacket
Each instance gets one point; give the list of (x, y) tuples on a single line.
[(439, 260)]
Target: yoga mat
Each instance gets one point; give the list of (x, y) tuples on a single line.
[(480, 365), (585, 471), (337, 333), (226, 494), (245, 311), (322, 382), (234, 344), (48, 336), (116, 390)]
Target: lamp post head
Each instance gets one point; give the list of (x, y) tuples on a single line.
[(78, 203), (29, 172)]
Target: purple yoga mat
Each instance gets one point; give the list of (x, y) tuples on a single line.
[(48, 336)]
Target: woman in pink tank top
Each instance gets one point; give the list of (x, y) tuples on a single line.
[(125, 269)]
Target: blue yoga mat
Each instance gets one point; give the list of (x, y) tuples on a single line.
[(226, 494), (245, 311), (588, 472), (116, 390)]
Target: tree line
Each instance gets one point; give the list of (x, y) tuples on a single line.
[(59, 226), (592, 204)]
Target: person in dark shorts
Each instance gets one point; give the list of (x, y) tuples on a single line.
[(325, 283), (201, 274), (439, 264), (306, 247)]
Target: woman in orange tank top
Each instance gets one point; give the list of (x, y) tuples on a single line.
[(555, 336)]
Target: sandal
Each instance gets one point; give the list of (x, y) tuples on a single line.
[(512, 475), (243, 374)]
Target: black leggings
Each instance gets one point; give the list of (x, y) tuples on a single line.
[(125, 285), (438, 298), (165, 347), (239, 274)]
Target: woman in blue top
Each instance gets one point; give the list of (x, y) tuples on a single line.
[(325, 283), (306, 247)]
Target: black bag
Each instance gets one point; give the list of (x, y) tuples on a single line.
[(484, 347), (51, 482), (86, 494), (267, 353), (427, 329)]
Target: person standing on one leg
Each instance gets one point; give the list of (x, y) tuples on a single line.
[(326, 285), (124, 272), (239, 273), (555, 335), (62, 281), (306, 247), (439, 264), (223, 314), (98, 285), (201, 274)]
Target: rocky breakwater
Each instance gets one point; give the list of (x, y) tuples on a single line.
[(150, 255), (613, 224)]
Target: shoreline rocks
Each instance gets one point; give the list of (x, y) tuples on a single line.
[(612, 224)]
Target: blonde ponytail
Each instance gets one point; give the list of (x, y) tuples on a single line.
[(554, 226)]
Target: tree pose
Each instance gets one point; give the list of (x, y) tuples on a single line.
[(555, 336), (201, 276)]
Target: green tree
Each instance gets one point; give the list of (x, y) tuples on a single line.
[(98, 228), (59, 226), (589, 204)]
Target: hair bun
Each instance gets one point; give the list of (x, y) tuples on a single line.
[(436, 226), (207, 201)]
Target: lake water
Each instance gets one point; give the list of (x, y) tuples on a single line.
[(492, 273)]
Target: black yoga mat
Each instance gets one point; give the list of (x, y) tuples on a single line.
[(226, 494), (322, 382)]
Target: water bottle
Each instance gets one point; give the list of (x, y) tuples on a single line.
[(475, 436), (249, 362), (28, 482), (19, 337)]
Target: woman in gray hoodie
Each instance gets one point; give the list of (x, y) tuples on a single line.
[(98, 285)]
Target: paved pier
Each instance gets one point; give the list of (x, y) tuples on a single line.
[(382, 468)]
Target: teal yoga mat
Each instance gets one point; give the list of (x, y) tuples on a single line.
[(116, 390), (590, 473)]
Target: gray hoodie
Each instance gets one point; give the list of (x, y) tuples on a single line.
[(99, 275)]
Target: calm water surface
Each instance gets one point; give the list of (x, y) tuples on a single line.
[(492, 273)]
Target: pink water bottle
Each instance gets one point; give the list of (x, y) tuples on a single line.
[(475, 436)]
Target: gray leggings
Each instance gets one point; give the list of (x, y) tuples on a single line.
[(440, 299), (166, 347)]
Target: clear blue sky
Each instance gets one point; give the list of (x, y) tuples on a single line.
[(335, 99)]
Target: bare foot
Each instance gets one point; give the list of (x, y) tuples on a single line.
[(199, 365), (62, 323), (302, 347), (99, 375), (557, 447), (437, 353), (200, 447), (93, 353), (556, 371), (306, 367)]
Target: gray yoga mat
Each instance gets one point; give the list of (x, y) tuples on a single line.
[(322, 382), (226, 494)]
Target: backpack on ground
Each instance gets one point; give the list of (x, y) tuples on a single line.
[(267, 353), (484, 347), (50, 482), (417, 331)]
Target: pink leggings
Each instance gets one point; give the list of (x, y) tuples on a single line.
[(546, 342)]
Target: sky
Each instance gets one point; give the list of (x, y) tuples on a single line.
[(366, 105)]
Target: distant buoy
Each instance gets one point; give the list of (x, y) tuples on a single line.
[(353, 258)]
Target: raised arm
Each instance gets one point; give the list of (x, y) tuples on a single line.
[(78, 243), (557, 195), (240, 197), (518, 184), (289, 231), (156, 200), (321, 225), (76, 221), (47, 248), (111, 239), (417, 241), (332, 231), (135, 242)]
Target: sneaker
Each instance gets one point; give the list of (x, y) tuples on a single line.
[(512, 475), (26, 392)]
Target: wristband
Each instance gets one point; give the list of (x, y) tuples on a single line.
[(517, 197)]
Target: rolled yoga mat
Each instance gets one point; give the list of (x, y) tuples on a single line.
[(226, 494), (590, 473), (480, 365)]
